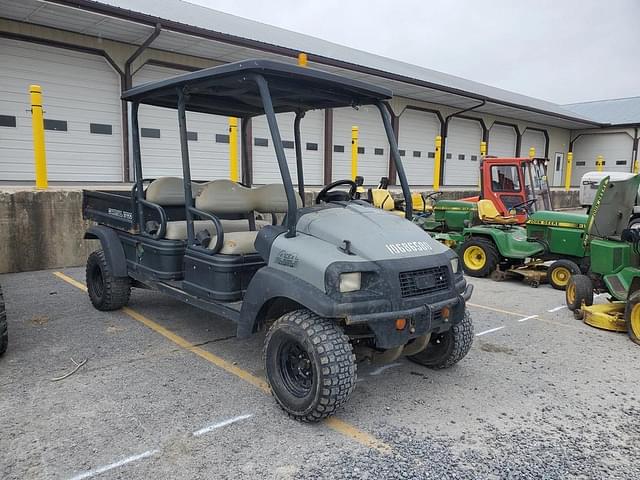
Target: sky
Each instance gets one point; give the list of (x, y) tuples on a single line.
[(564, 51)]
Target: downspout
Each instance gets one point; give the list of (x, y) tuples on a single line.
[(126, 82), (444, 131)]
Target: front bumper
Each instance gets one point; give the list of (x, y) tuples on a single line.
[(423, 319)]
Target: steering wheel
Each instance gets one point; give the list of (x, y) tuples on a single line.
[(432, 196), (524, 205), (326, 195)]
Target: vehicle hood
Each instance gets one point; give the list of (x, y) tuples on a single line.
[(612, 208), (372, 234), (558, 219)]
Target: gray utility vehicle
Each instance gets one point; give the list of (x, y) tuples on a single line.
[(335, 279)]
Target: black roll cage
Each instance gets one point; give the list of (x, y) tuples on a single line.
[(182, 92)]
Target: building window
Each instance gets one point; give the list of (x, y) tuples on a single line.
[(192, 136), (431, 154), (621, 162), (338, 148), (378, 151), (222, 138), (101, 128), (580, 164), (461, 156), (312, 146), (150, 132), (402, 153), (448, 156), (416, 154), (288, 144), (361, 150), (7, 121), (260, 142), (57, 125), (474, 158)]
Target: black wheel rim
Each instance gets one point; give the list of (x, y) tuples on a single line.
[(296, 368), (97, 283), (439, 345)]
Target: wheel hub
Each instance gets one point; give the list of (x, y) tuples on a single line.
[(297, 371), (560, 276), (475, 257)]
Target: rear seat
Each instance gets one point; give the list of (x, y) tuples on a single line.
[(227, 197)]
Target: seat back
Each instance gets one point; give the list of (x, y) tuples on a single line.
[(381, 198), (487, 210), (169, 191), (227, 197)]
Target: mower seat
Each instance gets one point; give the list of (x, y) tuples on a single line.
[(488, 213)]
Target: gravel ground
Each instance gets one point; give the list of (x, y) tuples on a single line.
[(540, 397)]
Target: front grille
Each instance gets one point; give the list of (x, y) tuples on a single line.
[(422, 282)]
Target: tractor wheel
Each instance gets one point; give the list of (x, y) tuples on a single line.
[(310, 365), (560, 272), (106, 291), (4, 336), (632, 317), (448, 348), (479, 257), (579, 290)]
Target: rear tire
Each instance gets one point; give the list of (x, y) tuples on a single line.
[(106, 291), (560, 272), (448, 348), (632, 317), (479, 257), (4, 335), (579, 290), (310, 365)]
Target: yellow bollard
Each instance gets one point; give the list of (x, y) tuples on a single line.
[(600, 163), (436, 164), (302, 59), (635, 166), (234, 173), (354, 152), (567, 175), (532, 152), (483, 149), (37, 123)]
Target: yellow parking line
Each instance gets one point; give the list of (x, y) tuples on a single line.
[(334, 423)]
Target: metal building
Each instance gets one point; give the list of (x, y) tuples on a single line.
[(85, 53)]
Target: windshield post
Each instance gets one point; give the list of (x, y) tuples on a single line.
[(137, 161), (292, 205), (186, 170), (299, 166), (395, 154)]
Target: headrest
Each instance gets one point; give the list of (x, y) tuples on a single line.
[(225, 196), (169, 191)]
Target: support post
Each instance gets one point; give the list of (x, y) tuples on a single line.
[(234, 173), (436, 164), (567, 175), (37, 124), (354, 152), (600, 163), (532, 152)]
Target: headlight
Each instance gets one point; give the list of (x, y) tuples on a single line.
[(455, 264), (350, 282)]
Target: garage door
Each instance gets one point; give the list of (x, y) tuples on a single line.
[(502, 141), (160, 139), (265, 165), (614, 147), (373, 157), (462, 157), (416, 140), (83, 135), (535, 139)]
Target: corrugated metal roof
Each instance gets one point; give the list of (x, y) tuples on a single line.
[(617, 111), (213, 20)]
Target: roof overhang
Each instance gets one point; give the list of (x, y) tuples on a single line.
[(114, 23)]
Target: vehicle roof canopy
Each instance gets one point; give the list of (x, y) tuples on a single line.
[(229, 89)]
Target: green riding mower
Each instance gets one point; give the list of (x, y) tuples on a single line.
[(614, 249)]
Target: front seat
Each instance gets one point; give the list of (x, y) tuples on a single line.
[(488, 213)]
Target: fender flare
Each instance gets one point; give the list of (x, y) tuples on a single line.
[(269, 283), (111, 246)]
